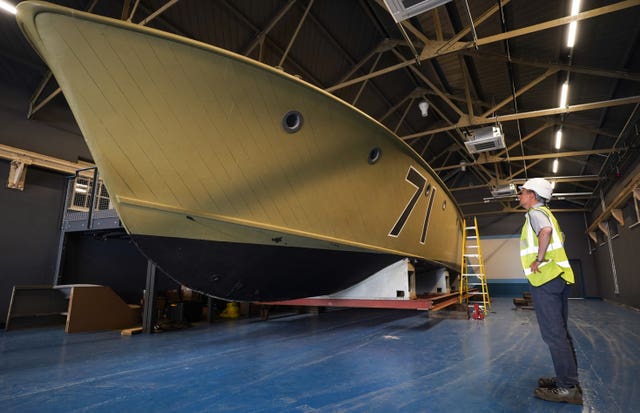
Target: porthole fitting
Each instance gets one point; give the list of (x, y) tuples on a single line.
[(292, 121), (374, 155)]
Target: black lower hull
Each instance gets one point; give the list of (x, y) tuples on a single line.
[(252, 272)]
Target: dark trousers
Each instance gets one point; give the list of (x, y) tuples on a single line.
[(552, 311)]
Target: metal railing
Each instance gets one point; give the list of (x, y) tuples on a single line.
[(88, 206)]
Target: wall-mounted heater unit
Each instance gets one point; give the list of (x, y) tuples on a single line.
[(404, 9), (485, 139)]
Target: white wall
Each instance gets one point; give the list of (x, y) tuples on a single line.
[(502, 257)]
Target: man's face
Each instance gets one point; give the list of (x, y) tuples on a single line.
[(526, 198)]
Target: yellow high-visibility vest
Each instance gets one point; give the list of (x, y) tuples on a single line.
[(556, 262)]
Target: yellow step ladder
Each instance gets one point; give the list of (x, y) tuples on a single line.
[(473, 278)]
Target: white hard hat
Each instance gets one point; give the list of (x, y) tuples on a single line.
[(540, 186)]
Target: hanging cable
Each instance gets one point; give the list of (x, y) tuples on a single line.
[(473, 27), (503, 23)]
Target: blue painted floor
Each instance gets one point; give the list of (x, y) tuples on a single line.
[(352, 360)]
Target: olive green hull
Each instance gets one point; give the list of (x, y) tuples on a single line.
[(192, 144)]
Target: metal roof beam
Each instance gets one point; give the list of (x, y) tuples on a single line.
[(471, 71), (487, 14), (421, 91), (295, 33), (433, 87), (595, 131), (406, 63), (556, 179), (520, 91), (629, 53), (494, 159), (615, 74), (33, 107), (629, 124), (263, 33), (421, 36), (628, 190), (477, 121), (521, 211), (305, 73), (157, 13), (364, 84), (395, 107), (466, 80), (522, 170), (553, 23), (362, 61), (404, 115), (525, 138), (434, 48)]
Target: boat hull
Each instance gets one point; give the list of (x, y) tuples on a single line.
[(257, 272), (195, 143)]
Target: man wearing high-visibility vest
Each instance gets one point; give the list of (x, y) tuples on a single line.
[(547, 269)]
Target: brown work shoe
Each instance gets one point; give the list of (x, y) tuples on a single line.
[(551, 382), (571, 395), (548, 382)]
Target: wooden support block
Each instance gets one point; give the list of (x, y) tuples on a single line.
[(131, 331), (97, 307), (455, 311), (603, 227), (443, 304), (17, 173), (636, 193), (412, 281), (617, 214), (85, 307), (593, 236), (35, 305)]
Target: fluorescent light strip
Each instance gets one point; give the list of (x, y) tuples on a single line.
[(7, 7), (558, 138), (555, 166), (564, 92), (571, 37), (575, 7), (573, 26)]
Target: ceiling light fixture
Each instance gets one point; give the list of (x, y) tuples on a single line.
[(558, 138), (8, 7), (424, 108), (564, 93), (555, 166), (573, 26)]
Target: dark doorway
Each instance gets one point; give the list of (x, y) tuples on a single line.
[(577, 291)]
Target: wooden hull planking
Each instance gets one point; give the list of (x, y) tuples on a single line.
[(200, 146)]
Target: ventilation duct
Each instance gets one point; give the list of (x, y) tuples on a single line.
[(404, 9)]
